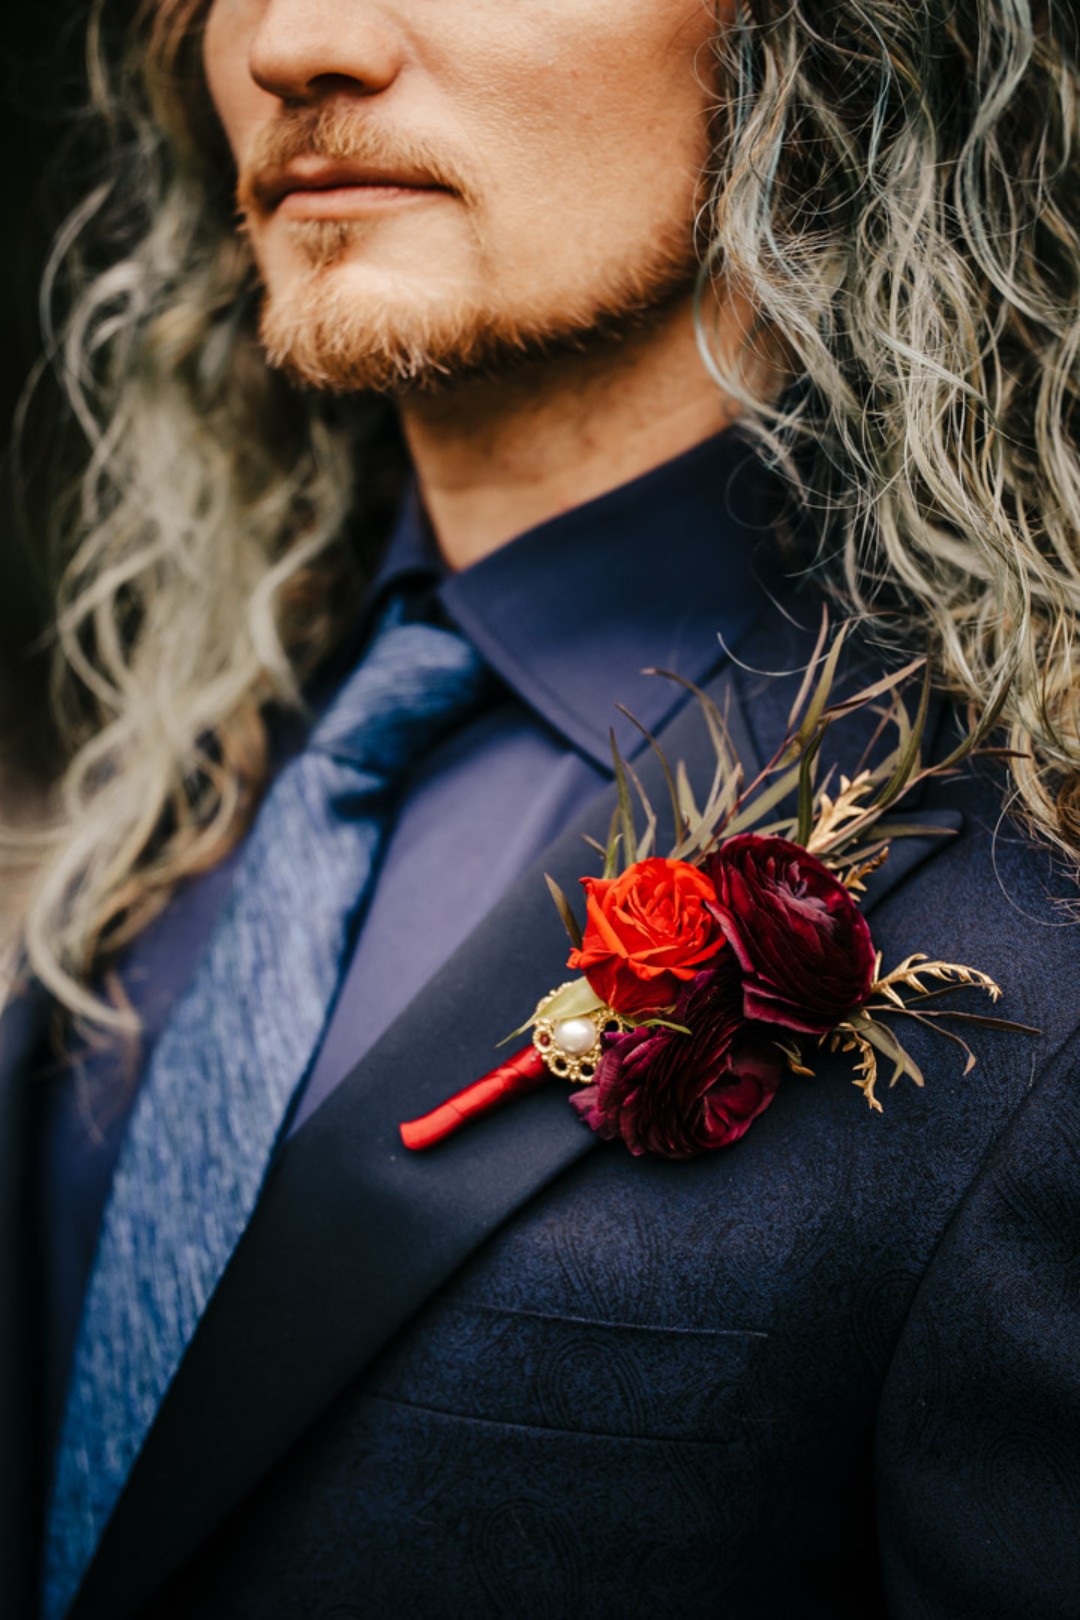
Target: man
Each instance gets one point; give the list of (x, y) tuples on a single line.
[(620, 280)]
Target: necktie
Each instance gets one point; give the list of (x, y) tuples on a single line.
[(228, 1063)]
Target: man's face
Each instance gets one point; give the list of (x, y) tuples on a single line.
[(432, 186)]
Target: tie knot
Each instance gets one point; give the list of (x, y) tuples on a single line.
[(415, 681)]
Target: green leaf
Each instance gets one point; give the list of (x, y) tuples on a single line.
[(763, 802), (816, 707), (887, 683), (648, 838), (778, 829), (673, 793), (805, 822), (886, 1042), (908, 760), (711, 820), (863, 838), (714, 720), (570, 922), (574, 1000), (808, 674), (687, 803), (986, 1020), (986, 723), (626, 808), (611, 859), (886, 830)]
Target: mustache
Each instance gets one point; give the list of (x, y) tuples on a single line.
[(337, 134)]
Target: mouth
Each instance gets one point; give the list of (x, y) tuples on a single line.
[(314, 189)]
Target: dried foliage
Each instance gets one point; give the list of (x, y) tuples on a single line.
[(847, 827)]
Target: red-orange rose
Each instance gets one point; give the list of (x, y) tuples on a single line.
[(647, 934)]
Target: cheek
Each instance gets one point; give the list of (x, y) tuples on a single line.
[(599, 106), (240, 104)]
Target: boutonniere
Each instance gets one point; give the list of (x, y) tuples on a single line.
[(704, 976)]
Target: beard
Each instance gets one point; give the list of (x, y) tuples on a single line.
[(326, 332), (323, 334)]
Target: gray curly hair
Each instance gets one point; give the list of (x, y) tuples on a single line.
[(895, 192)]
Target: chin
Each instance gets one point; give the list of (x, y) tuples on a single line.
[(346, 313), (338, 331), (344, 342)]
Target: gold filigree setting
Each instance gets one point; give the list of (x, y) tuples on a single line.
[(571, 1046)]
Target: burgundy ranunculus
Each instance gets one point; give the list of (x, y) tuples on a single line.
[(800, 939), (678, 1095)]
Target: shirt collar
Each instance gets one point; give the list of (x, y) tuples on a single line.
[(666, 572)]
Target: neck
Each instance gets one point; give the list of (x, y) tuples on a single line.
[(496, 456)]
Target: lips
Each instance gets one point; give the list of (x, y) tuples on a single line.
[(307, 176)]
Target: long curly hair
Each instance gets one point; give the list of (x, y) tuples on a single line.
[(895, 191)]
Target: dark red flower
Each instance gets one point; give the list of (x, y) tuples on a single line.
[(646, 934), (797, 933), (679, 1095)]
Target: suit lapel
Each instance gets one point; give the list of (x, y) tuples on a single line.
[(353, 1233), (22, 1032)]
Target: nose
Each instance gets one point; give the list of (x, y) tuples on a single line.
[(304, 50)]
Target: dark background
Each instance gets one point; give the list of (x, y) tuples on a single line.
[(47, 162)]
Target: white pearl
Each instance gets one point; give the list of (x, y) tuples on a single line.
[(575, 1036)]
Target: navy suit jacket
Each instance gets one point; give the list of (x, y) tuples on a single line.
[(832, 1371)]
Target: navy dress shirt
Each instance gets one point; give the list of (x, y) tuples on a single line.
[(664, 572)]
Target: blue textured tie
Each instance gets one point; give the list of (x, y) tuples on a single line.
[(238, 1044)]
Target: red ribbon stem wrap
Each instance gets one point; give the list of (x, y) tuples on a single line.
[(515, 1078)]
